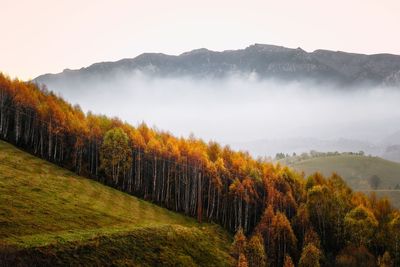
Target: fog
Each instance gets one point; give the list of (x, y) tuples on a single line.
[(247, 112)]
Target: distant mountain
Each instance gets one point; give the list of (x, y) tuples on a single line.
[(263, 61)]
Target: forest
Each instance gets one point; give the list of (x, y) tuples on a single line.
[(279, 217)]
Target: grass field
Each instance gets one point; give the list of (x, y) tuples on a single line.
[(49, 216), (357, 170)]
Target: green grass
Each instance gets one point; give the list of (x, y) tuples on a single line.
[(357, 170), (54, 217)]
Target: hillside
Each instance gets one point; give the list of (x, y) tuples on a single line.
[(266, 61), (357, 170), (46, 220), (269, 205)]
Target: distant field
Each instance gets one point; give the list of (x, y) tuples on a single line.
[(50, 216), (357, 170)]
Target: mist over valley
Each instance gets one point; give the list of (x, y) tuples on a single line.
[(264, 99)]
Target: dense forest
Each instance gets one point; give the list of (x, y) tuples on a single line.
[(279, 217)]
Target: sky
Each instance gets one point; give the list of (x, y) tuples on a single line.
[(47, 36)]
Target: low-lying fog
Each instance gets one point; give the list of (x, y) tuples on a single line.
[(264, 117)]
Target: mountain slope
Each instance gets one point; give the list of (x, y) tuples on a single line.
[(266, 61), (46, 220), (356, 170)]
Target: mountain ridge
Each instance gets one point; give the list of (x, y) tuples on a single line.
[(266, 61)]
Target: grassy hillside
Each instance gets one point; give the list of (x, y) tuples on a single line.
[(356, 170), (49, 216)]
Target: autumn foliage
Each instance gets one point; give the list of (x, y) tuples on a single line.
[(282, 217)]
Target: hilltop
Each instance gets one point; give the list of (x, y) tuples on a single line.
[(46, 220)]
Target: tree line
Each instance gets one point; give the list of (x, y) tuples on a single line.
[(285, 217)]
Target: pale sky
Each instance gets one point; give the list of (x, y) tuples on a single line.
[(47, 36)]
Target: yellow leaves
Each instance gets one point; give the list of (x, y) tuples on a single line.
[(236, 187), (360, 223), (115, 152), (395, 223), (214, 151), (146, 132), (359, 198), (153, 146), (243, 189), (239, 243), (310, 256), (172, 148), (288, 261), (255, 251)]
